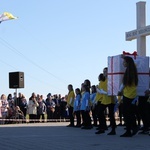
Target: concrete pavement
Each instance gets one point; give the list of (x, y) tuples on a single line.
[(56, 136)]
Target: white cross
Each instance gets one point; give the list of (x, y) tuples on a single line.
[(142, 30)]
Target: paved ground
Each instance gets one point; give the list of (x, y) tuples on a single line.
[(56, 136)]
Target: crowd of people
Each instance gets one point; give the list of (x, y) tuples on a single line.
[(88, 105), (36, 109)]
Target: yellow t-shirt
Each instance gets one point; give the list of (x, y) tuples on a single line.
[(70, 99), (98, 95), (130, 91), (106, 99)]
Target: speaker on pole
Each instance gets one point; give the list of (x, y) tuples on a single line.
[(16, 80)]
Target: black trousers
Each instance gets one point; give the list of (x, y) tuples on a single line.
[(86, 118), (129, 113), (71, 117), (102, 117), (98, 112), (143, 108), (78, 117), (50, 115), (33, 118), (120, 112), (94, 115), (57, 112)]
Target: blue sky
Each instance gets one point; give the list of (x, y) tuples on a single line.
[(61, 42)]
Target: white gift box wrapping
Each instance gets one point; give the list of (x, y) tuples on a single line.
[(116, 71)]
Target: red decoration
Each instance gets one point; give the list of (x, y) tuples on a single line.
[(133, 54)]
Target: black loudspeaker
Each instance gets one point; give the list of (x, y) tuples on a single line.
[(16, 80)]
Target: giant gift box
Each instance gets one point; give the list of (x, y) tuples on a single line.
[(116, 71)]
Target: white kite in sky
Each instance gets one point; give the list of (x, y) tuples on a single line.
[(6, 16)]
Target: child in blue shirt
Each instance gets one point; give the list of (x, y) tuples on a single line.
[(85, 107), (77, 104)]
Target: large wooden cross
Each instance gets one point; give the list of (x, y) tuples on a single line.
[(142, 30)]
